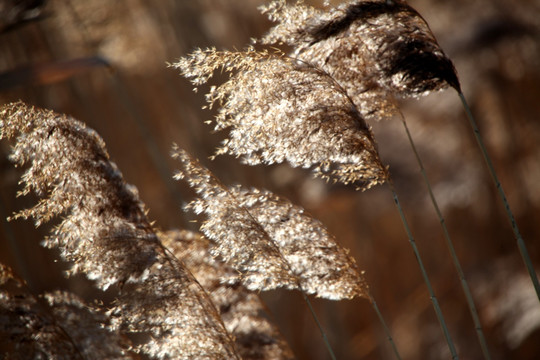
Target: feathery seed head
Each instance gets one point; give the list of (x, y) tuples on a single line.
[(106, 235), (280, 109), (270, 241), (242, 311), (374, 48)]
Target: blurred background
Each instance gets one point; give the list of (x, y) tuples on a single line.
[(105, 63)]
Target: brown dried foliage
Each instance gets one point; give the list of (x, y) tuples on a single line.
[(270, 241), (241, 310), (279, 109), (376, 49), (106, 235), (307, 109)]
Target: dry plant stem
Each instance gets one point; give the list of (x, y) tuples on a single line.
[(385, 327), (449, 243), (520, 243), (432, 296), (325, 338)]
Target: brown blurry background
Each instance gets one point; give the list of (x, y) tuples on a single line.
[(125, 91)]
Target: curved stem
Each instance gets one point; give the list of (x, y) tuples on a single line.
[(520, 243), (449, 243), (432, 296)]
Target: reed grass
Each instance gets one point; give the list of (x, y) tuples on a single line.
[(513, 223), (386, 329), (431, 292), (194, 295), (451, 249)]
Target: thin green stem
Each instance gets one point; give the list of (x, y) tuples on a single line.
[(449, 243), (432, 296), (520, 243), (385, 327), (325, 338)]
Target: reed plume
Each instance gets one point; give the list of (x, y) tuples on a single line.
[(241, 310), (375, 49), (106, 235), (270, 241), (279, 109)]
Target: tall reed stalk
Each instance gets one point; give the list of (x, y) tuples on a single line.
[(513, 223), (378, 50), (386, 329), (432, 296), (320, 327), (451, 249)]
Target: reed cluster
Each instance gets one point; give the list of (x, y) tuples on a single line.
[(194, 295)]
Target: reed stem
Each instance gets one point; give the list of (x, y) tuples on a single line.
[(520, 243), (450, 244), (385, 327), (432, 296), (325, 338)]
